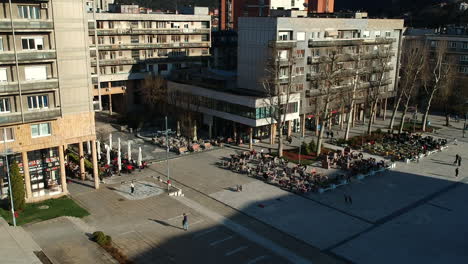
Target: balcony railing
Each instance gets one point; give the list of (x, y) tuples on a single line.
[(124, 61), (136, 46), (12, 87), (349, 42), (27, 24), (24, 56), (144, 31), (10, 118), (282, 44), (51, 113)]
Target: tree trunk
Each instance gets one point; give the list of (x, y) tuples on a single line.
[(426, 113), (280, 140), (371, 116), (403, 117), (394, 112), (178, 128), (349, 121), (322, 129), (447, 116)]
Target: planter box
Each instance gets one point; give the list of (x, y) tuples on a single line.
[(182, 150)]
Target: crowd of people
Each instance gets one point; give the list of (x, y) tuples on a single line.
[(298, 178)]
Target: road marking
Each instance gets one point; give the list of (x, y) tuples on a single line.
[(220, 241), (255, 260), (197, 222), (175, 217), (232, 252), (205, 232)]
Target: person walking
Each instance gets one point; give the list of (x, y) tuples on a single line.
[(331, 134), (350, 200), (132, 188), (456, 159), (328, 134), (185, 222), (459, 161), (456, 172)]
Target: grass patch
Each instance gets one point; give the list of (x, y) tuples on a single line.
[(63, 206), (408, 127)]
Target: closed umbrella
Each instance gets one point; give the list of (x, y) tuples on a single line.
[(119, 156), (88, 147), (110, 141), (129, 150), (98, 147), (139, 157), (108, 154)]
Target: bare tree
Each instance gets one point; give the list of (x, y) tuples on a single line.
[(330, 76), (356, 83), (381, 65), (413, 60), (436, 77), (278, 89), (185, 108), (154, 93)]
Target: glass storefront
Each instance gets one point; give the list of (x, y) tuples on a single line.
[(44, 170)]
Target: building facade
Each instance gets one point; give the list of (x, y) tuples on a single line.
[(45, 91), (309, 40), (124, 48)]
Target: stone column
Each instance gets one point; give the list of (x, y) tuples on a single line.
[(27, 177), (82, 161), (303, 125), (210, 131), (110, 104), (289, 128), (250, 138), (63, 175), (95, 165), (354, 115), (234, 128)]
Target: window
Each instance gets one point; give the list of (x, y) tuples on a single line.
[(300, 70), (175, 25), (3, 75), (464, 45), (134, 39), (175, 38), (38, 102), (292, 3), (463, 70), (464, 58), (283, 54), (1, 44), (40, 130), (301, 36), (134, 24), (283, 36), (205, 24), (102, 70), (121, 68), (388, 34), (315, 52), (100, 40), (312, 35), (29, 12), (283, 72), (112, 40), (111, 24), (32, 43), (365, 34), (161, 39), (149, 39), (114, 69), (205, 37), (33, 73), (4, 105), (300, 53), (186, 38), (377, 34), (434, 44), (8, 132), (161, 24), (453, 44), (299, 87), (318, 34)]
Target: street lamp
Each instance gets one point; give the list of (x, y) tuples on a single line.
[(167, 156), (300, 149)]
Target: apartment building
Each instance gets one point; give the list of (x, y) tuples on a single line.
[(124, 48), (45, 91), (232, 10), (306, 40), (456, 37)]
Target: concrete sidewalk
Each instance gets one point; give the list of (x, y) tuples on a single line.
[(17, 246)]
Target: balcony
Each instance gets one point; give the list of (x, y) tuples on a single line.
[(145, 31), (12, 87), (378, 41), (47, 114), (138, 46), (27, 24), (26, 56), (280, 44), (110, 90), (127, 61), (334, 43), (10, 118)]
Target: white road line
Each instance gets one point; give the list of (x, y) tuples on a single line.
[(255, 260), (197, 222), (232, 252), (205, 232), (220, 241), (175, 217)]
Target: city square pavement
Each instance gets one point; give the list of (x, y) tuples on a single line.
[(381, 203)]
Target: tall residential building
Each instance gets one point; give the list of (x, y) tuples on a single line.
[(125, 48), (231, 10), (45, 91), (309, 39)]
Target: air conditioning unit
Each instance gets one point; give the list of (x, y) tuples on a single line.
[(44, 5)]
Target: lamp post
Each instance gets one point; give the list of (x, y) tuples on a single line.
[(167, 155), (300, 149)]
